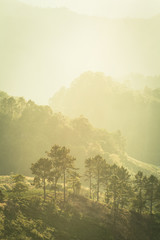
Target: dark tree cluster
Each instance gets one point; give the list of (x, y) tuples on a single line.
[(121, 190), (108, 183), (58, 166)]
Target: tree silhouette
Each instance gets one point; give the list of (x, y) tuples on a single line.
[(99, 166), (41, 169), (62, 163), (89, 173), (19, 184), (74, 180), (55, 155), (67, 164), (140, 202), (151, 190)]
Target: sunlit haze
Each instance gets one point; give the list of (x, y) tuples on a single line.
[(44, 47), (107, 8), (79, 119)]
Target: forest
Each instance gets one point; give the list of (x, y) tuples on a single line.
[(55, 204), (28, 130), (75, 181), (131, 106), (79, 120)]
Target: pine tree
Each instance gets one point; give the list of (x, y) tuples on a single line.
[(151, 191), (41, 169), (19, 184), (67, 164), (99, 166), (119, 188), (55, 155), (125, 189), (89, 173), (74, 181), (139, 202), (106, 182), (62, 164)]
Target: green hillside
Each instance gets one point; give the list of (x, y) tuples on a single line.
[(27, 217)]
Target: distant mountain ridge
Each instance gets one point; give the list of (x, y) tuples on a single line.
[(56, 44)]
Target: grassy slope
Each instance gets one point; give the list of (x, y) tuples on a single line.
[(133, 165), (79, 218)]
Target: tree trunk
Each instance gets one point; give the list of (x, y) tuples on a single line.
[(151, 203), (44, 188), (55, 189), (64, 186), (140, 196), (98, 186), (114, 205), (90, 187)]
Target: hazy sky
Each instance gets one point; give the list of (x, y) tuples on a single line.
[(42, 50), (108, 8)]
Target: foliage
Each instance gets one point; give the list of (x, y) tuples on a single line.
[(28, 130), (19, 186), (113, 105), (41, 170)]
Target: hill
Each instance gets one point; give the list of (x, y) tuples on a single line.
[(28, 131), (79, 218), (133, 165), (112, 105)]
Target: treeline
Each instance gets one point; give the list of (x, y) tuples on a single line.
[(27, 130), (57, 204), (107, 183)]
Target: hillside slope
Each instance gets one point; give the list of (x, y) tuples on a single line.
[(28, 131), (78, 219), (111, 105), (133, 165)]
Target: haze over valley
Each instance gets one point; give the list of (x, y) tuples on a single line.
[(79, 120)]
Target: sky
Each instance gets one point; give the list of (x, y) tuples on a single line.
[(107, 8), (38, 57)]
